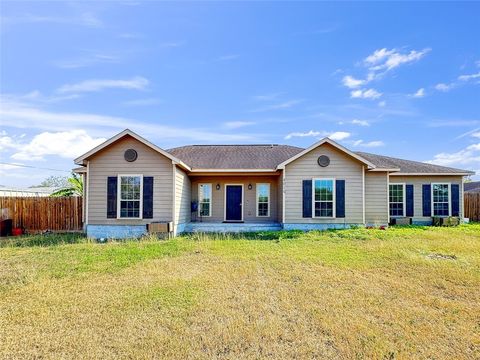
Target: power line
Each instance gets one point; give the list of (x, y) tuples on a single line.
[(33, 167)]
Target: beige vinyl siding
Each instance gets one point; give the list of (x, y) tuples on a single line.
[(342, 167), (249, 205), (376, 198), (418, 181), (110, 162), (182, 197)]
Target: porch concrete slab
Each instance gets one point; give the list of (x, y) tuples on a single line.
[(231, 227)]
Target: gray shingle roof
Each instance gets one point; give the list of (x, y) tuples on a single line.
[(473, 186), (407, 166), (234, 156), (269, 156)]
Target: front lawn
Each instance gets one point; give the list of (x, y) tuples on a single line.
[(367, 294)]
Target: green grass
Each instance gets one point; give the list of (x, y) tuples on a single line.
[(404, 292)]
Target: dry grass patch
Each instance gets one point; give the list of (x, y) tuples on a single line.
[(341, 294)]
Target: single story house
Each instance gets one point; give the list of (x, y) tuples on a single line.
[(131, 183)]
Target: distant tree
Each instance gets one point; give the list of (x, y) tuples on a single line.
[(74, 187), (54, 181)]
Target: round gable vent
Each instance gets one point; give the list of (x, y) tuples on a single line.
[(323, 160), (130, 155)]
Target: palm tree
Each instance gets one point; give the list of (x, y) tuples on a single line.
[(75, 187)]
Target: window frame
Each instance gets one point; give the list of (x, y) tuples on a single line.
[(258, 202), (449, 199), (119, 197), (200, 202), (404, 200), (334, 198)]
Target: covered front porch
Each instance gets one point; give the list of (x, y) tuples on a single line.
[(235, 202)]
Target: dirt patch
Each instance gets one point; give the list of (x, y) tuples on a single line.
[(438, 256)]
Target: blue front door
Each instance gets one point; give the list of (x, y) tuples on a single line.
[(233, 203)]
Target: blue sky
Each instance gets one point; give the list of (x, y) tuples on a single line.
[(395, 79)]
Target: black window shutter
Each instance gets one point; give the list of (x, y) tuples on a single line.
[(409, 199), (455, 188), (340, 198), (307, 198), (148, 197), (112, 197), (427, 199)]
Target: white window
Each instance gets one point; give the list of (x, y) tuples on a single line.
[(396, 199), (130, 194), (441, 199), (263, 200), (205, 200), (323, 197)]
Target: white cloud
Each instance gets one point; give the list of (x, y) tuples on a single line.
[(351, 82), (84, 19), (66, 144), (378, 63), (267, 97), (420, 93), (382, 103), (365, 94), (384, 59), (360, 122), (303, 134), (143, 102), (7, 142), (280, 106), (21, 115), (87, 60), (476, 134), (469, 77), (237, 124), (337, 135), (135, 83), (461, 80), (444, 87), (370, 144), (469, 156), (37, 97)]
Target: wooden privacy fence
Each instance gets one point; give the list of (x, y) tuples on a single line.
[(44, 213), (472, 205)]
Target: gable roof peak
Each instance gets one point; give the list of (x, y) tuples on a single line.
[(81, 159), (334, 144)]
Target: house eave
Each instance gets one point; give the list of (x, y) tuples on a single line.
[(466, 173), (384, 170)]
